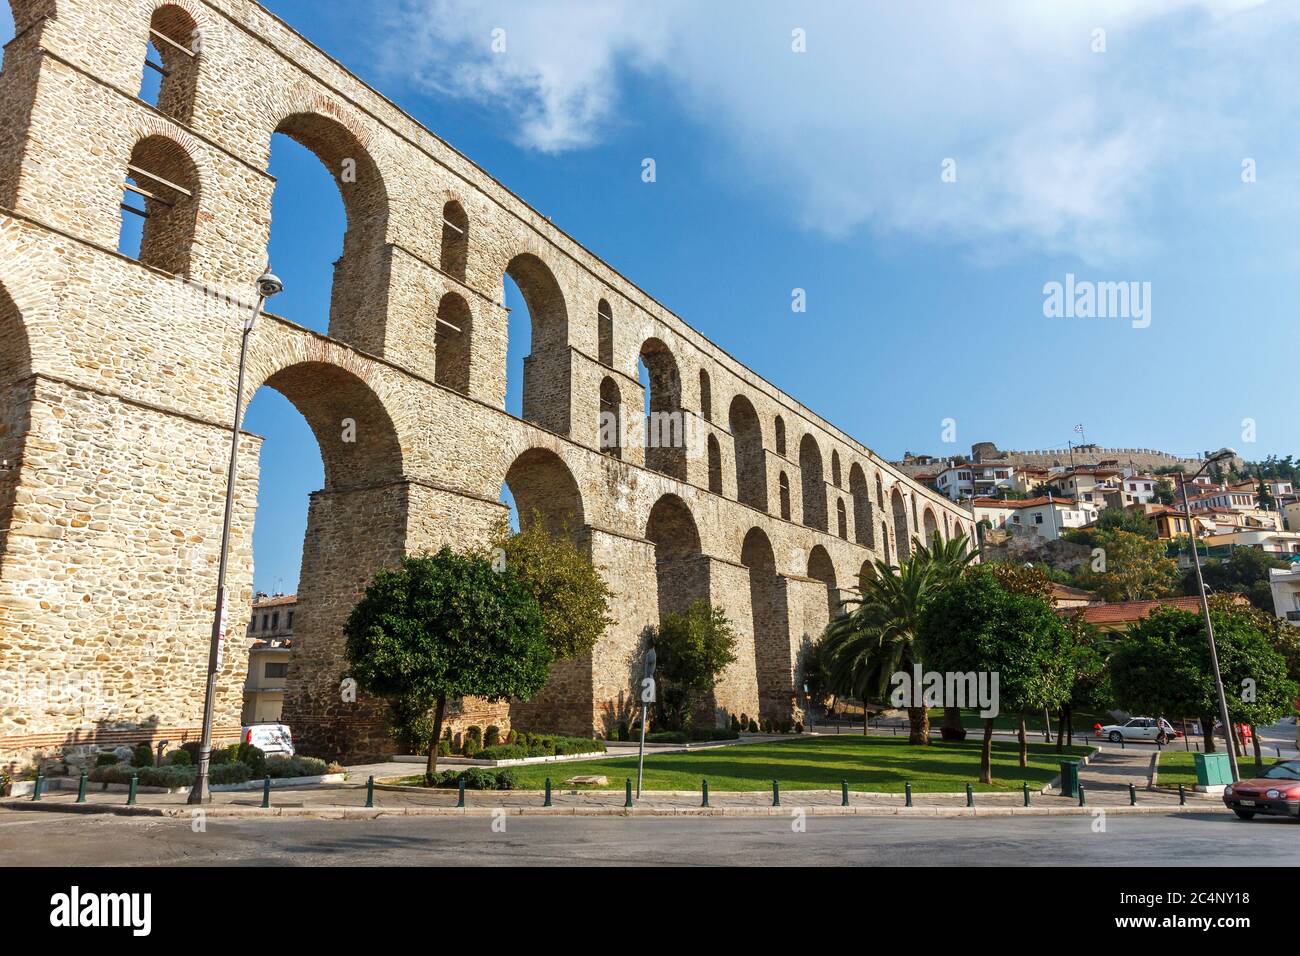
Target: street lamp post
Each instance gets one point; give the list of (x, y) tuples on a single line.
[(268, 285), (647, 697), (1221, 455)]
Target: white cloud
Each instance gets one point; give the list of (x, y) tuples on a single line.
[(1058, 147)]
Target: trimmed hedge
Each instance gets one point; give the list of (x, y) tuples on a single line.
[(695, 734), (280, 765), (173, 776), (540, 745), (476, 778)]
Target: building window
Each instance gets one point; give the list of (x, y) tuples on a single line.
[(274, 670), (275, 620), (1038, 519), (288, 623), (266, 622)]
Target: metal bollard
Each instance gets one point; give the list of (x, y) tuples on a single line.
[(370, 791), (907, 790), (81, 788), (970, 796), (704, 789), (1025, 787), (460, 792), (1132, 795), (1182, 795), (776, 794), (1083, 800), (844, 793), (627, 800), (266, 793), (130, 795), (547, 801), (40, 782)]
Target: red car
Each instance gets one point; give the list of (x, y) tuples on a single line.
[(1275, 793)]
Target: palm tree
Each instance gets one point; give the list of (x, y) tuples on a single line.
[(865, 647)]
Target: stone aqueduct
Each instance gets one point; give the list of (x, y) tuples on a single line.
[(118, 379)]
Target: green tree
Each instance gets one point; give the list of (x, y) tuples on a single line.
[(1163, 667), (693, 647), (446, 625), (865, 647), (979, 625), (1134, 568), (1266, 499), (572, 596), (1244, 571)]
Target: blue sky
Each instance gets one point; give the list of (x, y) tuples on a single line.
[(821, 170)]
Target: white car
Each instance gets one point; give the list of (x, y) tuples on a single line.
[(1140, 728), (270, 738)]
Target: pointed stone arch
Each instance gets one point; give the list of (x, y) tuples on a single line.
[(545, 490), (679, 569), (864, 524), (902, 533), (929, 526), (822, 568), (715, 465), (454, 349), (814, 483), (665, 433), (773, 662), (546, 392), (751, 463)]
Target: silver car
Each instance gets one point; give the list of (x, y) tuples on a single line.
[(1140, 729)]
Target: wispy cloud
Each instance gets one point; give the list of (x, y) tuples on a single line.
[(1058, 147)]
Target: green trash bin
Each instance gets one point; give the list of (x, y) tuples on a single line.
[(1213, 770), (1069, 778)]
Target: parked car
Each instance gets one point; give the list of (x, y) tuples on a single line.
[(1141, 728), (1276, 792), (270, 738)]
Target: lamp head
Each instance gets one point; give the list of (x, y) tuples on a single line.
[(269, 285)]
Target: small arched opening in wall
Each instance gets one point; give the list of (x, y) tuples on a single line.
[(715, 465), (611, 418), (814, 483), (841, 519), (324, 428), (902, 535), (780, 435), (880, 492), (665, 425), (679, 569), (930, 526), (453, 255), (835, 468), (864, 525), (171, 63), (454, 343), (783, 481), (539, 487), (537, 381), (341, 293), (768, 603), (160, 205), (751, 463), (884, 541), (605, 334), (821, 568), (706, 396)]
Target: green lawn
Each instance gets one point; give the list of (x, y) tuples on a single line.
[(881, 764), (1175, 767)]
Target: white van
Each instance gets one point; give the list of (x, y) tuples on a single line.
[(270, 738)]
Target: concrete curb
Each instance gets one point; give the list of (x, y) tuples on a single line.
[(371, 813)]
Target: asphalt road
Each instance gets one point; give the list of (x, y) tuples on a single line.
[(33, 838)]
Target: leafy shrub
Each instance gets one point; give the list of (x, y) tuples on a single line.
[(230, 773), (798, 726), (666, 737), (191, 747), (623, 732), (492, 736), (785, 726), (169, 777), (476, 778), (474, 735), (105, 759), (502, 752), (713, 733), (578, 745), (253, 757), (181, 758), (734, 724), (744, 722), (753, 726), (512, 737), (280, 765), (444, 747), (142, 755)]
